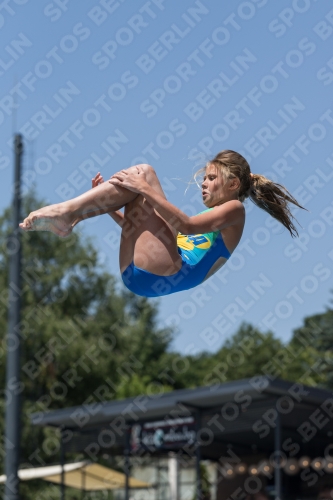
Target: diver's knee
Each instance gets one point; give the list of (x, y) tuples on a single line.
[(148, 169)]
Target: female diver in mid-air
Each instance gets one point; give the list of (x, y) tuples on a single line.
[(162, 250)]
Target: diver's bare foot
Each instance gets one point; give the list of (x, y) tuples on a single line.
[(52, 218)]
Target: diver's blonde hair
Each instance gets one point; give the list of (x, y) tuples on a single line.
[(266, 194)]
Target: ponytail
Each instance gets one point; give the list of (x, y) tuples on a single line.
[(274, 199)]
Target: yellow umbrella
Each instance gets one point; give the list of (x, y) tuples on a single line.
[(81, 475)]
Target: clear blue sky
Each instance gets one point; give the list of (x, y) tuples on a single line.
[(98, 86)]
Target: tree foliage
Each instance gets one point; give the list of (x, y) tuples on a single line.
[(84, 338), (314, 343)]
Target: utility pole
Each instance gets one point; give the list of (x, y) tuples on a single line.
[(12, 417)]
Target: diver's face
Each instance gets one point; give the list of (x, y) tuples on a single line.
[(213, 187)]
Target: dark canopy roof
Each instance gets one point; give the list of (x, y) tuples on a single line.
[(241, 413)]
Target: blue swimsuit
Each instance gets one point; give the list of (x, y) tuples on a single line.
[(199, 252)]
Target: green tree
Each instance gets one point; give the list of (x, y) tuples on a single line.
[(247, 353), (250, 352), (84, 338), (314, 343)]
